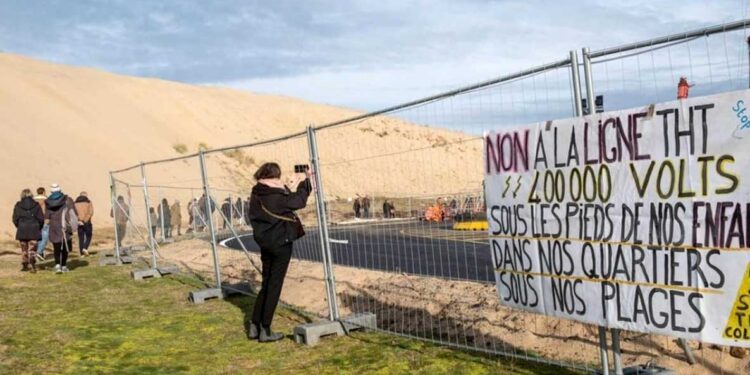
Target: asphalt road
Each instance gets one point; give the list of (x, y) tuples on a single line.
[(420, 248)]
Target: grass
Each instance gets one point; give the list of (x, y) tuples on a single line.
[(240, 156), (180, 148), (96, 320)]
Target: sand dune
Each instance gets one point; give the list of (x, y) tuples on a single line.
[(72, 125)]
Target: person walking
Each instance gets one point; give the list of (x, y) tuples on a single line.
[(237, 213), (202, 213), (226, 210), (165, 218), (191, 214), (176, 216), (275, 228), (120, 213), (61, 215), (154, 221), (40, 197), (387, 210), (366, 206), (357, 206), (28, 219), (85, 229)]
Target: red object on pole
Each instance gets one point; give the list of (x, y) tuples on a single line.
[(683, 88)]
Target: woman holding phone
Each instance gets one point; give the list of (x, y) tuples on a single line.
[(275, 228)]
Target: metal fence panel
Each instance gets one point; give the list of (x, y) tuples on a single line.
[(405, 208), (404, 204)]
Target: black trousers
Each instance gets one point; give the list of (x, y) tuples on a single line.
[(275, 265), (84, 236), (61, 251)]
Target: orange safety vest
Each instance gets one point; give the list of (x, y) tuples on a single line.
[(682, 89)]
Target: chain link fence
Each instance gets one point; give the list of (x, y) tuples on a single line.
[(397, 226)]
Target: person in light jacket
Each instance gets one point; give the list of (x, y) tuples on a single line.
[(275, 228), (85, 229), (176, 217), (28, 219), (120, 213), (40, 197)]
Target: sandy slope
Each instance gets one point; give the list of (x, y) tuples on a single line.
[(71, 125)]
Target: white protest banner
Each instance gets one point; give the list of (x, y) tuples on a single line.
[(635, 219)]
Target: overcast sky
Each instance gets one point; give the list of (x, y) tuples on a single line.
[(361, 54)]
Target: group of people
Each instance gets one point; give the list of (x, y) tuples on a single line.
[(361, 208), (169, 217), (54, 218)]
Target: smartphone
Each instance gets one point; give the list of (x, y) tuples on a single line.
[(301, 168)]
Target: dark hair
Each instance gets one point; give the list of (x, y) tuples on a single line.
[(40, 190), (267, 170)]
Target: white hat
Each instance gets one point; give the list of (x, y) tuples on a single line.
[(55, 188)]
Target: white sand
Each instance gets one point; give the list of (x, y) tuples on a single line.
[(72, 125)]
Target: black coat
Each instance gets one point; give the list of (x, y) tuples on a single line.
[(269, 230), (167, 215), (28, 219), (226, 209)]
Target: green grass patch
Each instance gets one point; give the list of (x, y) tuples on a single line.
[(96, 320), (180, 148)]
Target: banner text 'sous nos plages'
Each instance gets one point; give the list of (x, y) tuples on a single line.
[(635, 219)]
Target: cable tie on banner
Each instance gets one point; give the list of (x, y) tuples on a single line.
[(651, 111), (341, 242), (548, 125)]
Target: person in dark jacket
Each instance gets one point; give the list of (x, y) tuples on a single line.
[(275, 228), (357, 205), (226, 210), (366, 206), (28, 219), (388, 210), (202, 212), (237, 214), (165, 218), (60, 213)]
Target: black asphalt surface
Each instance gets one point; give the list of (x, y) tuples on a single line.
[(419, 248)]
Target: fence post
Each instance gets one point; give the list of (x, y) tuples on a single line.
[(589, 79), (323, 226), (577, 105), (209, 217), (113, 197), (616, 351), (603, 355), (152, 240), (153, 271)]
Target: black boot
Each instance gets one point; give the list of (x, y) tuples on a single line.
[(252, 330), (24, 267), (266, 335)]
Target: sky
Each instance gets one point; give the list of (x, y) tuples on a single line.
[(358, 54)]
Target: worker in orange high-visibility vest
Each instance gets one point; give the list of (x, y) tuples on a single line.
[(682, 88)]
